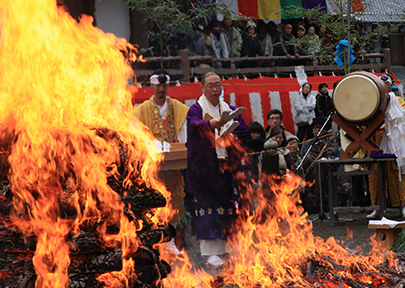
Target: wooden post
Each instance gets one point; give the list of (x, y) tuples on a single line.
[(184, 65), (382, 186), (387, 59), (331, 194)]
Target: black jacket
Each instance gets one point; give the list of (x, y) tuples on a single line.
[(323, 106)]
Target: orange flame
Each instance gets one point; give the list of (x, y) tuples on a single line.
[(63, 92), (274, 245)]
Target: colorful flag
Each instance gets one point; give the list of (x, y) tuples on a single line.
[(286, 9)]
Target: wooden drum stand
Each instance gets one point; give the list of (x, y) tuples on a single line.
[(361, 138), (360, 99)]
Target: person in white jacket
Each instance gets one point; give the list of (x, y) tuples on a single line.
[(304, 106)]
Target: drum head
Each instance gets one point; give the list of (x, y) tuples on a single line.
[(356, 98)]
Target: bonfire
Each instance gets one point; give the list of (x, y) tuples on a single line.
[(81, 205)]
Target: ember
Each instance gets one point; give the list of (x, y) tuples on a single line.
[(80, 204)]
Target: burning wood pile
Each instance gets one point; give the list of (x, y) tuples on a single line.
[(80, 202), (275, 247), (80, 205), (89, 255), (324, 272)]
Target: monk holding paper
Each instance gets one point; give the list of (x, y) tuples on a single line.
[(214, 129)]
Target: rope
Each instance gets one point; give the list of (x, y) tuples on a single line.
[(333, 134), (320, 154)]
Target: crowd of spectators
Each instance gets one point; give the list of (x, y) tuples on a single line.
[(234, 39), (315, 139), (284, 152)]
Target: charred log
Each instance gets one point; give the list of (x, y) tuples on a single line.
[(12, 239), (84, 281), (18, 262), (22, 280), (148, 238), (147, 199), (148, 265), (106, 262)]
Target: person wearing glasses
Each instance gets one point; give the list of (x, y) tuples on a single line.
[(166, 119), (275, 119), (214, 156)]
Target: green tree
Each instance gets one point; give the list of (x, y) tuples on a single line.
[(169, 19), (341, 26)]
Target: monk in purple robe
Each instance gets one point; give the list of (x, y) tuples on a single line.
[(211, 167)]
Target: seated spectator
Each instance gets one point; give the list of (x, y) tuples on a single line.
[(285, 46), (153, 40), (218, 43), (233, 38), (277, 135), (257, 137), (264, 39), (301, 41), (325, 39), (293, 158), (206, 36), (198, 48), (255, 144), (294, 24), (361, 43), (273, 31), (275, 119), (250, 46), (314, 44), (310, 198), (324, 104), (304, 105)]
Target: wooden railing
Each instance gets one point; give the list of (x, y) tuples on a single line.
[(184, 71)]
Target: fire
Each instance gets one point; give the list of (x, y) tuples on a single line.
[(63, 93), (64, 126), (275, 247)]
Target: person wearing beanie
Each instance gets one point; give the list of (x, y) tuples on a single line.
[(293, 159), (250, 45)]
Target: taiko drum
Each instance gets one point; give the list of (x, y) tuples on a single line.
[(359, 97)]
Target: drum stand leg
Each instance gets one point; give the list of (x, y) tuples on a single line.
[(361, 138)]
